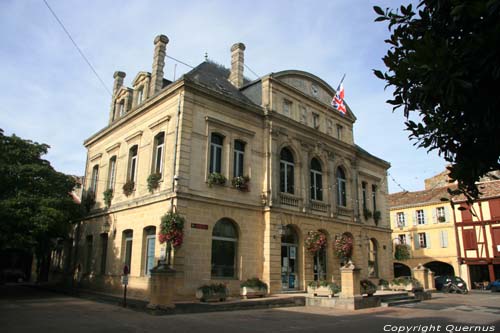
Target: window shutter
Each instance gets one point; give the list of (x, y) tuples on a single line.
[(445, 238), (423, 215), (416, 241), (427, 240), (447, 214), (434, 215), (405, 220), (415, 218), (408, 240)]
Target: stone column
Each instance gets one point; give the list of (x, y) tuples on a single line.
[(350, 281), (430, 280), (420, 273), (161, 287)]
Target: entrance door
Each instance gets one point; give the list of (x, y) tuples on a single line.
[(289, 262)]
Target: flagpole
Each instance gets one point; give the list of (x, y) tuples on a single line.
[(343, 77)]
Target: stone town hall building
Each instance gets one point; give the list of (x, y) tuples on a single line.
[(304, 173)]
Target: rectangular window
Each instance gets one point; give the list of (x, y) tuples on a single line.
[(150, 253), (95, 178), (132, 173), (316, 185), (339, 132), (401, 220), (287, 107), (494, 209), (315, 117), (112, 172), (440, 214), (374, 198), (402, 239), (128, 250), (363, 191), (469, 239), (104, 252), (422, 240), (239, 153), (158, 153), (121, 108), (420, 216), (216, 153), (140, 95)]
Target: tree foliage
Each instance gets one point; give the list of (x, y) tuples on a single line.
[(35, 205), (444, 65)]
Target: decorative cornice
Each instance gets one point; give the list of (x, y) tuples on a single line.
[(228, 125), (133, 136)]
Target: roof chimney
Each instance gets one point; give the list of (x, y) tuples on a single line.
[(118, 76), (156, 84), (237, 63)]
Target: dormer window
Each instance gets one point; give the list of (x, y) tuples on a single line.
[(140, 95), (121, 108)]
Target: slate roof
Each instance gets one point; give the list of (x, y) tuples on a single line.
[(215, 77)]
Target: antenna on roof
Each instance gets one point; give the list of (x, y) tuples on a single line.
[(206, 56)]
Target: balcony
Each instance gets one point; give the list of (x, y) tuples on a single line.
[(319, 206), (290, 200)]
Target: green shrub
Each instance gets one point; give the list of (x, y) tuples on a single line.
[(255, 283)]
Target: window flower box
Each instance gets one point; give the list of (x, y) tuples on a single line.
[(216, 178), (322, 288)]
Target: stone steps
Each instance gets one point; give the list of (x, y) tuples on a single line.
[(398, 300)]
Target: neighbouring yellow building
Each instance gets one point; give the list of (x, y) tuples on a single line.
[(425, 223), (253, 167)]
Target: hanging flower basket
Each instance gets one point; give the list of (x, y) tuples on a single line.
[(108, 196), (128, 187), (315, 241), (171, 229), (343, 246), (153, 181)]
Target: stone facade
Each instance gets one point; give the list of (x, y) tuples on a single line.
[(285, 111)]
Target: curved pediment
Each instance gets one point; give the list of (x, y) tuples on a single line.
[(310, 85)]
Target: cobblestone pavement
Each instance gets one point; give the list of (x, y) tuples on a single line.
[(24, 309)]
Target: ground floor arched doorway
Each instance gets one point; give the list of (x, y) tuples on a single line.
[(440, 268), (401, 270)]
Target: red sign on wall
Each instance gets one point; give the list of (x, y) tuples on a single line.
[(199, 226)]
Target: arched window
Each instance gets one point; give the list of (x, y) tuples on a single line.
[(224, 248), (149, 239), (95, 178), (239, 154), (341, 188), (316, 180), (286, 171), (112, 172), (372, 259), (158, 153), (216, 153), (132, 164), (127, 238)]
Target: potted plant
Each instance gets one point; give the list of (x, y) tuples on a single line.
[(383, 284), (153, 181), (376, 216), (402, 252), (216, 178), (367, 287), (108, 196), (212, 292), (253, 287), (240, 182), (128, 187), (343, 247), (171, 229), (323, 288), (315, 241), (367, 213)]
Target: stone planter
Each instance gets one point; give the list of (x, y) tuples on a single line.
[(320, 291), (247, 292), (408, 287), (211, 296)]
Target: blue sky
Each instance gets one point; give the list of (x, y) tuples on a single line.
[(50, 95)]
